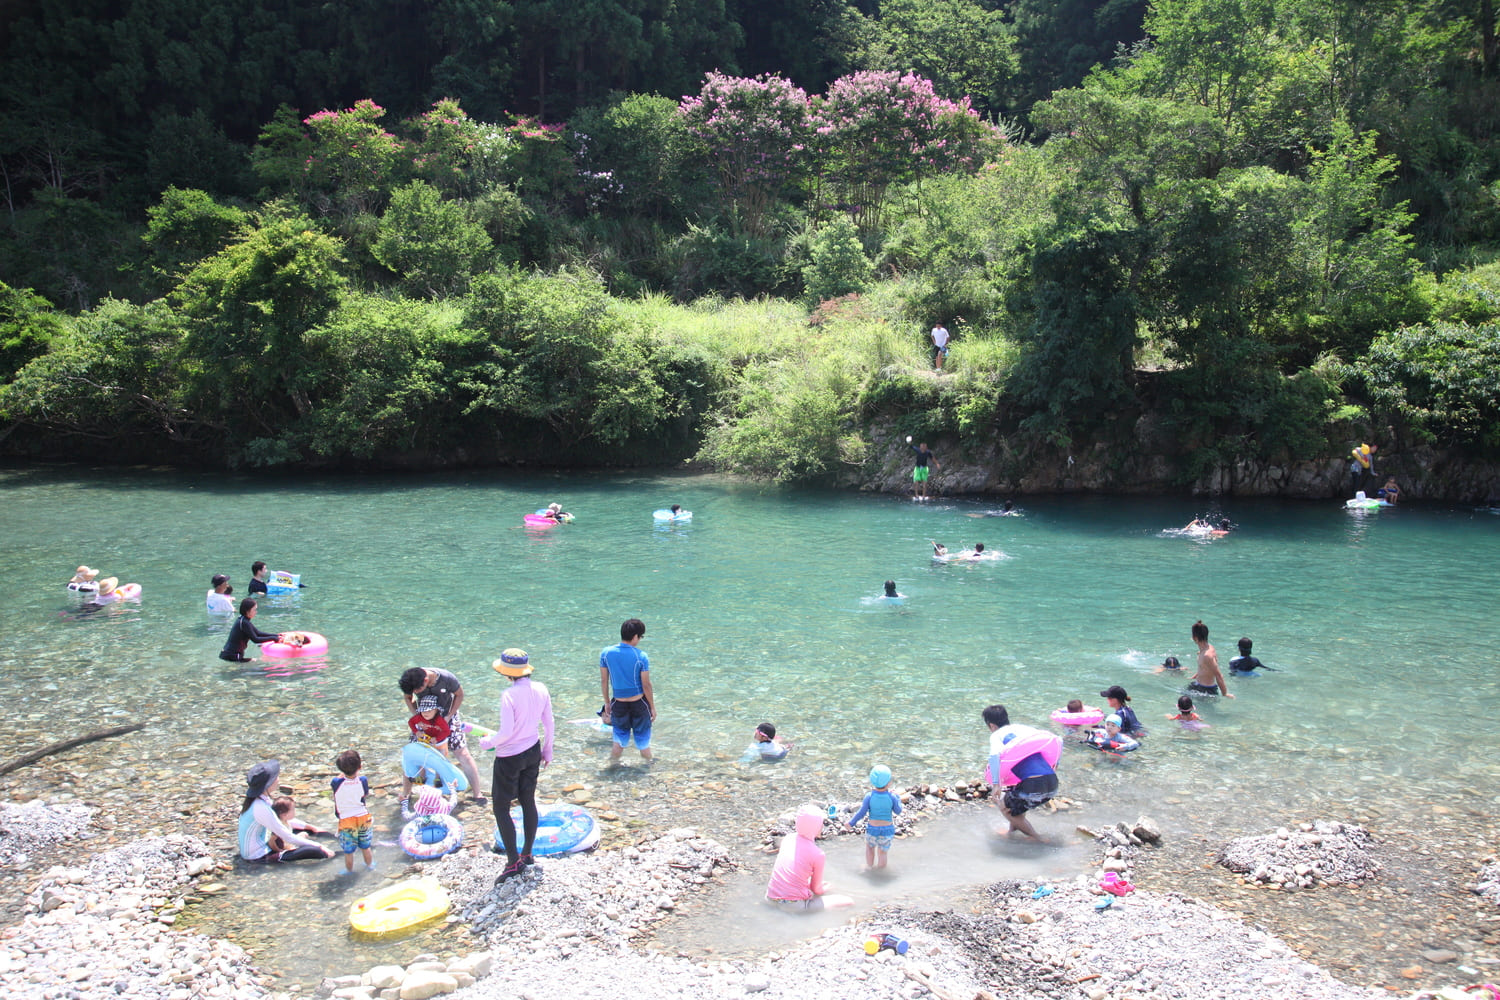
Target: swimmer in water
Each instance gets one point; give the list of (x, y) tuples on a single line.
[(890, 589), (1245, 664), (1209, 679), (939, 549), (1110, 738), (1170, 663), (1119, 704), (1185, 711)]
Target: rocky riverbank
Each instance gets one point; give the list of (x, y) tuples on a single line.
[(582, 927)]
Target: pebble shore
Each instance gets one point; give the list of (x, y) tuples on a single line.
[(581, 927)]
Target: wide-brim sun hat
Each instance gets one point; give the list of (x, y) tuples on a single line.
[(513, 663), (108, 585), (87, 573), (262, 776)]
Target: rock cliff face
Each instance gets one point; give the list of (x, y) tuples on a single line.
[(1423, 474)]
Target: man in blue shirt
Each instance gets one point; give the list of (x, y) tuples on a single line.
[(625, 678)]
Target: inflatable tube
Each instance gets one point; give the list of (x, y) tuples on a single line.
[(563, 517), (397, 907), (561, 829), (1111, 744), (431, 836), (1088, 717), (417, 757), (1022, 743), (538, 521), (278, 582), (313, 645), (83, 588), (667, 515), (1365, 503)]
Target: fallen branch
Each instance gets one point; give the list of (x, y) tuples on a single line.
[(47, 751)]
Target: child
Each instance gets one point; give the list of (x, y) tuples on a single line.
[(881, 805), (1185, 711), (1119, 704), (83, 580), (355, 823), (427, 727), (1170, 663), (890, 589), (1076, 714), (286, 811), (797, 878), (1111, 738), (766, 744), (1244, 664)]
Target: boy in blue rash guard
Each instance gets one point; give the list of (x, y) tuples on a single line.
[(625, 677), (878, 810)]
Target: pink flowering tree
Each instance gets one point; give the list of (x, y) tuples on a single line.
[(874, 129), (755, 131), (340, 163), (459, 156)]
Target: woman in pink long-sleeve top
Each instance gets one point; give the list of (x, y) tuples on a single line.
[(797, 879), (519, 756)]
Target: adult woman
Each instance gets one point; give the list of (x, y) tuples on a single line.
[(258, 822), (519, 756)]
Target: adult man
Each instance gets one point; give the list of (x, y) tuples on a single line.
[(219, 601), (257, 577), (625, 679), (444, 686), (939, 345), (1209, 679), (1034, 782), (519, 756), (919, 471)]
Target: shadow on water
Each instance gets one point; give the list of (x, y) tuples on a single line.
[(950, 853)]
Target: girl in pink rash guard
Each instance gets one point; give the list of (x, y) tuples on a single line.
[(797, 879)]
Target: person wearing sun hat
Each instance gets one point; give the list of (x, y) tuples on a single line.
[(258, 821), (83, 580), (519, 756)]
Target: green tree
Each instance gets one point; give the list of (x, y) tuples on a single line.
[(430, 242), (28, 325), (249, 309), (964, 47), (1354, 253), (185, 227)]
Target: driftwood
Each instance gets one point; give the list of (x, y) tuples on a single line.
[(47, 751)]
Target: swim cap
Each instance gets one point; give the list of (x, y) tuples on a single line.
[(1113, 720), (880, 776)]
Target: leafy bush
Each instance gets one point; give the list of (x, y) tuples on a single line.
[(429, 242), (1441, 382), (839, 265)]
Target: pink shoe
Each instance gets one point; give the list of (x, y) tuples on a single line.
[(1115, 885)]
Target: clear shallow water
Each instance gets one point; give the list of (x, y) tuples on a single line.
[(1381, 627)]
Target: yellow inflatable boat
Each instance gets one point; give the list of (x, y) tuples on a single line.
[(399, 906)]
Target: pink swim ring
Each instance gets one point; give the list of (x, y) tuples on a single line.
[(1088, 717), (312, 645)]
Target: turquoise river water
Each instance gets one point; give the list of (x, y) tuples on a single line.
[(1381, 627)]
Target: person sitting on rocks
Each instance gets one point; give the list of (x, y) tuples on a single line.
[(259, 822)]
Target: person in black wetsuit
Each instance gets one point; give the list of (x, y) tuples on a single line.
[(243, 632), (1244, 663), (257, 578)]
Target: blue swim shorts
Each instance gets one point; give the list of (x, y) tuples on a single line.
[(631, 719), (880, 837)]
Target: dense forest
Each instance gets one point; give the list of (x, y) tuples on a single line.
[(381, 234)]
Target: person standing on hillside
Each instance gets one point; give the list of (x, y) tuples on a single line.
[(939, 345), (625, 678)]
